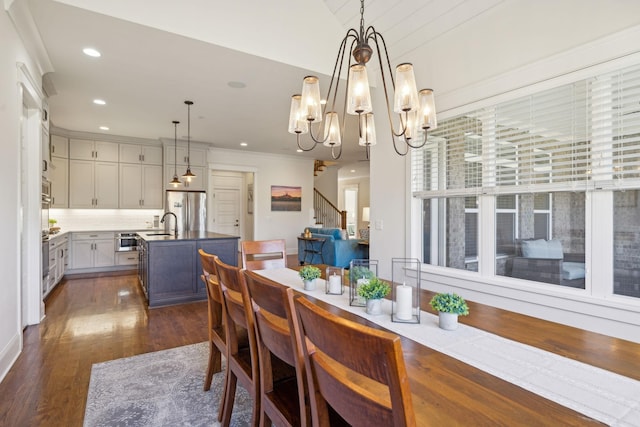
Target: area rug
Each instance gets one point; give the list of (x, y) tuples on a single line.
[(162, 388)]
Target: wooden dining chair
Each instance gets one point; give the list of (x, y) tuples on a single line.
[(217, 340), (264, 254), (282, 401), (242, 362), (352, 369)]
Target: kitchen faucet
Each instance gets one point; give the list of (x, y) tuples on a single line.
[(176, 220)]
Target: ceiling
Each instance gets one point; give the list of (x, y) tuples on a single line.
[(154, 60)]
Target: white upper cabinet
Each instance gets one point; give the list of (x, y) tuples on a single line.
[(83, 149), (140, 186), (197, 155), (59, 146), (145, 154), (93, 184)]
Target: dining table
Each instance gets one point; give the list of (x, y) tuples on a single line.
[(449, 392)]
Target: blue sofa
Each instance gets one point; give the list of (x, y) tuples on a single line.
[(336, 251)]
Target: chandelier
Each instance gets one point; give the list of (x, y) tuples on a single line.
[(415, 110)]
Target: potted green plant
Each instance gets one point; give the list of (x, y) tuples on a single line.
[(373, 291), (449, 306), (309, 274)]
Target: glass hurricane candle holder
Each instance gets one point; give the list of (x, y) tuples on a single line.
[(334, 280), (405, 290), (360, 271)]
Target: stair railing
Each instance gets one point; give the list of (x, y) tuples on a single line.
[(327, 213)]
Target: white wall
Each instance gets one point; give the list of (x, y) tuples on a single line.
[(12, 51), (327, 183), (271, 169), (467, 68)]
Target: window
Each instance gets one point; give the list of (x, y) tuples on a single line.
[(626, 243), (538, 156), (450, 236)]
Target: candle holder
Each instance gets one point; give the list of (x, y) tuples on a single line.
[(360, 271), (334, 280), (405, 290)]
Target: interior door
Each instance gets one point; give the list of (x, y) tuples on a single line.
[(226, 205)]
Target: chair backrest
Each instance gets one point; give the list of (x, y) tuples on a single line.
[(359, 371), (264, 254), (275, 323), (209, 274)]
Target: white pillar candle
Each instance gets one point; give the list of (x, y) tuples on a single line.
[(404, 303), (335, 284)]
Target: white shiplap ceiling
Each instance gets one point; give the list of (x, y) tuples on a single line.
[(155, 58)]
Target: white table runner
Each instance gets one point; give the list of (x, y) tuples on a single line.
[(600, 394)]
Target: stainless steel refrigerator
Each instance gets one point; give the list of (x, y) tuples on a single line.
[(190, 208)]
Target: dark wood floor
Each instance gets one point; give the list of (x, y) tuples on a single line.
[(92, 320)]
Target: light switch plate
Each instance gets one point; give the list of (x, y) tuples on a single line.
[(379, 224)]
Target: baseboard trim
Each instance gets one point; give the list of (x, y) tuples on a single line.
[(10, 354)]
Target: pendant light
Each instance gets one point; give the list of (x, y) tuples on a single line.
[(175, 181), (188, 175)]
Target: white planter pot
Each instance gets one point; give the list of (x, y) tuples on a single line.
[(374, 306), (448, 321), (310, 285)]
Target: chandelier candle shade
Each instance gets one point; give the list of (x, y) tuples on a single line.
[(188, 175), (175, 181), (415, 109)]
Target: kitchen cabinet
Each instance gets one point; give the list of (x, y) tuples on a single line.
[(140, 186), (127, 258), (198, 155), (93, 184), (83, 149), (90, 250), (58, 260), (169, 268), (197, 183), (144, 154), (59, 176), (59, 146)]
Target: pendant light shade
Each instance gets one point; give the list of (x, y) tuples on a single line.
[(188, 175), (175, 181)]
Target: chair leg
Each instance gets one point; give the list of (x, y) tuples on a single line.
[(229, 399), (224, 393), (215, 365)]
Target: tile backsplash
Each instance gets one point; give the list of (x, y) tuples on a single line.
[(104, 219)]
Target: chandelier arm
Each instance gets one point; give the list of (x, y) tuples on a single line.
[(403, 128), (338, 66), (395, 147), (424, 141), (333, 156), (301, 147)]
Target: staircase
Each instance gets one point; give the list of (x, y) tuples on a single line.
[(326, 213)]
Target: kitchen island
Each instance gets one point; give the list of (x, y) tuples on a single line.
[(169, 266)]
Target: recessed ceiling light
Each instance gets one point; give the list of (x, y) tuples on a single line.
[(353, 171), (99, 101), (298, 151), (89, 51), (323, 101), (243, 144), (104, 128), (237, 85)]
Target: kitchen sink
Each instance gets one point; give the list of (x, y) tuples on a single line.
[(158, 234)]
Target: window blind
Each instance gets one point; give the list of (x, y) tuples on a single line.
[(579, 136)]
